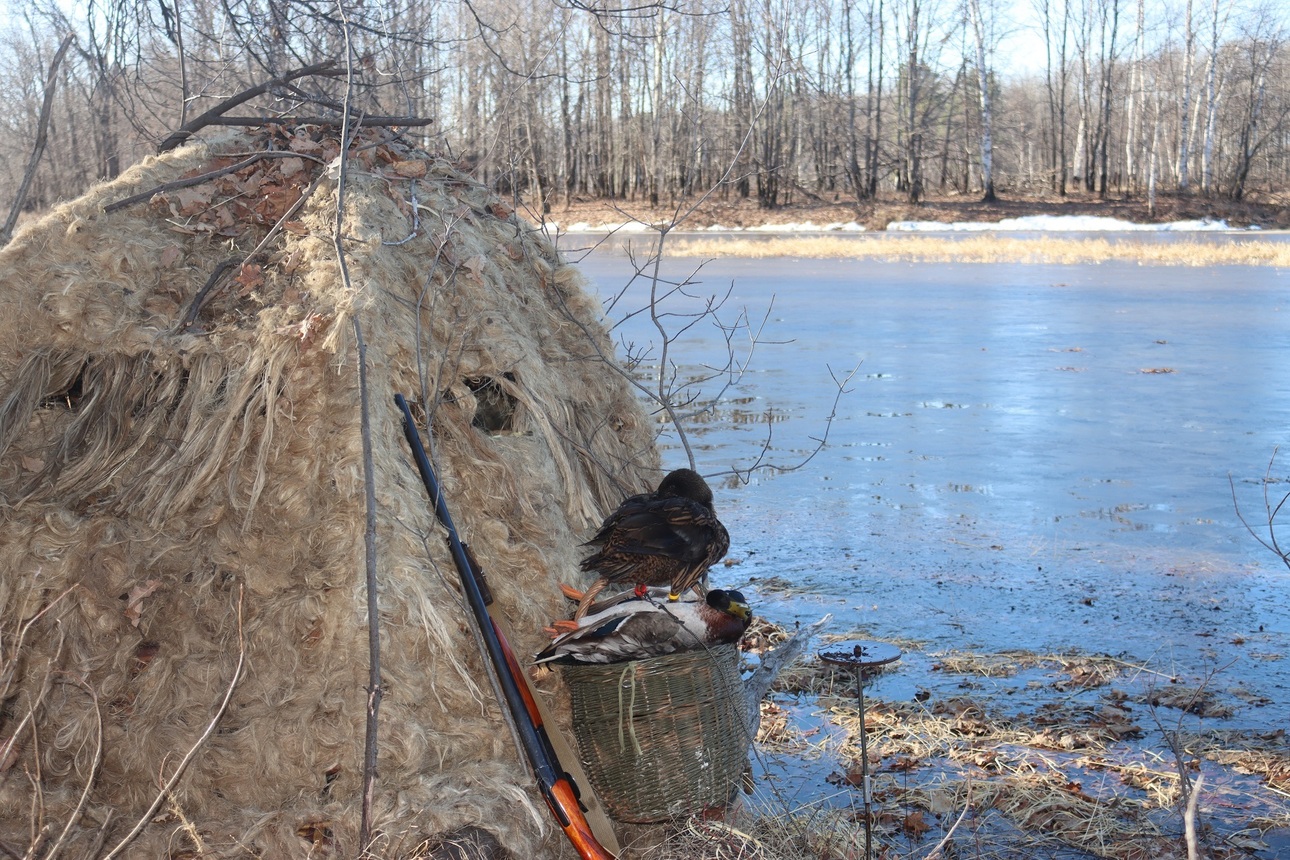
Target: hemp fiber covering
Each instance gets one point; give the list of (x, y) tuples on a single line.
[(182, 490)]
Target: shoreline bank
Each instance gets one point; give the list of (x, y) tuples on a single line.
[(1243, 248)]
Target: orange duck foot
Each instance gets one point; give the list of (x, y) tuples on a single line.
[(559, 628), (570, 592)]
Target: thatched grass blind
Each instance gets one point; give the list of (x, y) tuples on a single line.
[(180, 446)]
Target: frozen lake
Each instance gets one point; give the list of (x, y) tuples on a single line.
[(1028, 457)]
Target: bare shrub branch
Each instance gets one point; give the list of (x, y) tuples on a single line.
[(1271, 512), (1188, 788), (685, 398)]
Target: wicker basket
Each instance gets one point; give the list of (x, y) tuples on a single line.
[(661, 737)]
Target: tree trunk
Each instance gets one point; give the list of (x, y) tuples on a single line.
[(1110, 32), (1249, 140), (1211, 103), (656, 109), (567, 149), (1189, 59), (983, 87), (742, 78), (602, 184), (1134, 106), (1154, 168), (855, 176), (913, 104), (874, 135)]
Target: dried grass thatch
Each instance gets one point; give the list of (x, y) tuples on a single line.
[(1048, 250), (182, 494)]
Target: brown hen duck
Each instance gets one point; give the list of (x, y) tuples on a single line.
[(668, 537)]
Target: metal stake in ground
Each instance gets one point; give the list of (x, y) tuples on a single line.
[(862, 657)]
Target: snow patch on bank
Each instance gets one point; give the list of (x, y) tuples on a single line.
[(1058, 223)]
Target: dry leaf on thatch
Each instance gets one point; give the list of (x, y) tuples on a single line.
[(410, 169), (133, 608)]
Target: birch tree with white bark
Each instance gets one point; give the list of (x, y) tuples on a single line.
[(983, 41), (1184, 109), (1218, 23)]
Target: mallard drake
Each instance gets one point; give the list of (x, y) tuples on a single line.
[(668, 537), (633, 628)]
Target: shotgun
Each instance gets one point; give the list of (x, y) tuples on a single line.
[(557, 787)]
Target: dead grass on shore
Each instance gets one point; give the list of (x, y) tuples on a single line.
[(955, 773), (1053, 250)]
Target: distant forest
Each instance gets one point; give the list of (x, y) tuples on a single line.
[(774, 100)]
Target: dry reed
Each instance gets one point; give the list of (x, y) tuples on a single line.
[(1049, 250)]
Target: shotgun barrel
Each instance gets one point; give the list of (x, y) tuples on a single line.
[(557, 788)]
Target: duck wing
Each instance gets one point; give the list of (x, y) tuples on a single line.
[(654, 594), (673, 528), (632, 630)]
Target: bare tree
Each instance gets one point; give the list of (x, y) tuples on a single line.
[(919, 38), (1263, 46), (1109, 28), (984, 42), (1054, 17), (1184, 136), (1153, 164), (1134, 100), (42, 130), (1212, 94)]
